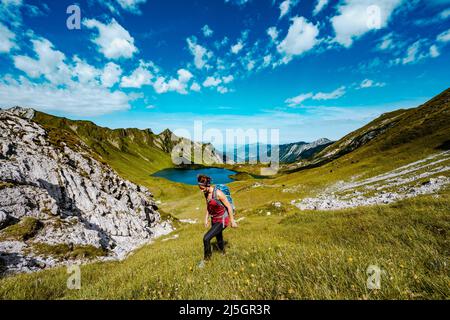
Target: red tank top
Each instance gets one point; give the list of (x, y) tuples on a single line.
[(217, 210)]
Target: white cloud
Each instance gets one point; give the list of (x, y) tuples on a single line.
[(250, 65), (139, 77), (286, 6), (273, 33), (201, 54), (6, 39), (367, 83), (184, 75), (10, 12), (237, 2), (84, 72), (76, 99), (319, 6), (113, 40), (237, 47), (444, 36), (387, 42), (212, 82), (336, 94), (295, 101), (412, 53), (418, 51), (207, 31), (222, 89), (357, 17), (49, 63), (195, 87), (131, 5), (301, 37), (434, 51), (111, 74), (267, 60), (150, 106), (178, 85), (114, 6), (228, 79)]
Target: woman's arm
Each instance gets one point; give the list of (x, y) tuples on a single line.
[(207, 216), (222, 197)]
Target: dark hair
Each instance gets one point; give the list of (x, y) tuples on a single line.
[(204, 180)]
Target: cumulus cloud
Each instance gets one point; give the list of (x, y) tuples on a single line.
[(161, 85), (222, 89), (76, 99), (286, 6), (195, 87), (434, 51), (84, 72), (200, 53), (367, 83), (211, 82), (301, 37), (111, 74), (49, 63), (321, 4), (207, 31), (228, 79), (357, 17), (139, 77), (7, 39), (273, 33), (113, 41), (237, 47)]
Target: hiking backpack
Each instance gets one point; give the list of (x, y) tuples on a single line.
[(227, 193)]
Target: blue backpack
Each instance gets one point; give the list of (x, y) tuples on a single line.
[(227, 193)]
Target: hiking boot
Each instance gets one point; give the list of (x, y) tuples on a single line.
[(202, 264)]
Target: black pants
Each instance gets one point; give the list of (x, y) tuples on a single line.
[(215, 231)]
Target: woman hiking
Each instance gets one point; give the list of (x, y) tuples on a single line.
[(221, 212)]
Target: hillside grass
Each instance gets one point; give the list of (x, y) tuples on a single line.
[(297, 255)]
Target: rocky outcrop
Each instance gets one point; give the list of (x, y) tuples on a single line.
[(79, 200), (426, 176)]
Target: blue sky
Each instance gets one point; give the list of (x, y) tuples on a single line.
[(311, 69)]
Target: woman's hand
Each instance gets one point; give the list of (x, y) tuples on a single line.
[(206, 222), (234, 224)]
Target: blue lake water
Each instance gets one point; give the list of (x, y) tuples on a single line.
[(218, 175)]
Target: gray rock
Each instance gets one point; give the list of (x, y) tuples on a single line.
[(80, 200), (4, 218)]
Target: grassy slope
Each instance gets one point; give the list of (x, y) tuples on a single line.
[(307, 255)]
